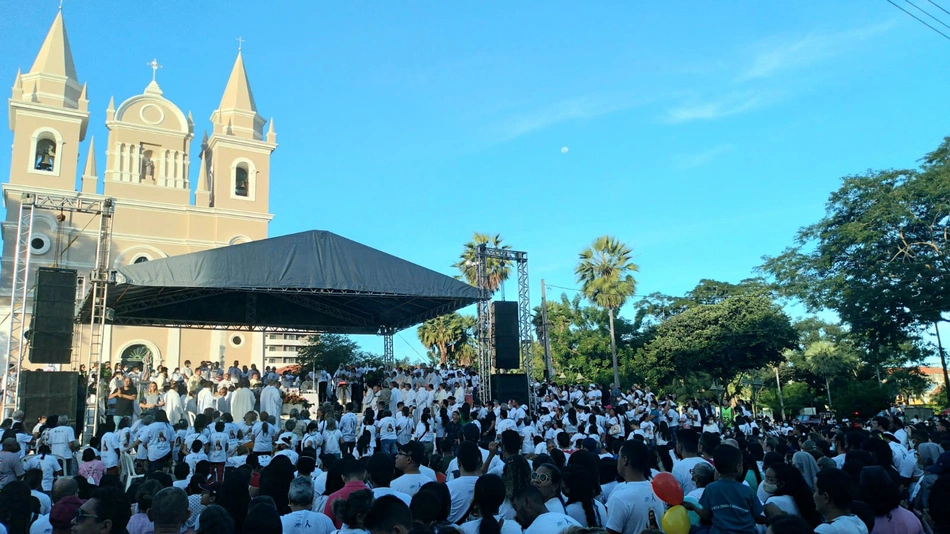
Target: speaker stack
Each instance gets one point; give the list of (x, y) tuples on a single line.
[(43, 394), (505, 335), (54, 308), (510, 386)]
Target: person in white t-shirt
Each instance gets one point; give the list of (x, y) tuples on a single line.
[(219, 447), (633, 506), (687, 449), (462, 488), (532, 514), (833, 496), (301, 519), (408, 459), (62, 441), (488, 498)]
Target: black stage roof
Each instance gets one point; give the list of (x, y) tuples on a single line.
[(313, 281)]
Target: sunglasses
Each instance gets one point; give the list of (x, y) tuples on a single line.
[(540, 477), (81, 514)]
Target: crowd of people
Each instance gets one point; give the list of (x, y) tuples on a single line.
[(215, 450)]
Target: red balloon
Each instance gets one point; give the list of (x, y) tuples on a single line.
[(668, 489)]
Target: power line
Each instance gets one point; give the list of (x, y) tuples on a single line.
[(927, 13), (410, 345), (920, 20), (938, 7)]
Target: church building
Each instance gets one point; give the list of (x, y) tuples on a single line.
[(146, 166)]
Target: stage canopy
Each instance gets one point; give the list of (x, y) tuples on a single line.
[(313, 281)]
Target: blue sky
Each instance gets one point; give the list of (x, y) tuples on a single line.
[(703, 134)]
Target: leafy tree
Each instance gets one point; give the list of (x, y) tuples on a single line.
[(830, 360), (657, 307), (604, 273), (863, 398), (447, 336), (496, 270), (739, 334), (796, 395), (329, 351), (880, 256)]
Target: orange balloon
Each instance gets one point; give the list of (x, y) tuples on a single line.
[(668, 489)]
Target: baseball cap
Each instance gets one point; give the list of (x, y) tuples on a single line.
[(942, 465), (64, 511), (210, 487), (415, 451)]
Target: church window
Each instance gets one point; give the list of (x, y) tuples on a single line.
[(240, 180), (140, 259), (237, 340), (39, 244), (135, 355), (45, 156)]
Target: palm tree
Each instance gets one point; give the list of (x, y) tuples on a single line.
[(604, 274), (496, 270), (447, 335)]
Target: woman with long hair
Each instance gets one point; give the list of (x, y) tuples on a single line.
[(489, 496), (878, 490), (424, 432), (789, 494), (581, 502), (352, 510), (234, 496), (48, 464), (516, 476), (16, 510)]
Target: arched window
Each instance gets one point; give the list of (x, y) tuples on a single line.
[(240, 180), (45, 156), (134, 355), (140, 259)]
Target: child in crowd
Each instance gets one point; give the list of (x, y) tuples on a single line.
[(727, 504), (91, 467)]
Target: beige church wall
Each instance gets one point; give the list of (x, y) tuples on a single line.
[(225, 158), (152, 114), (67, 131), (147, 192)]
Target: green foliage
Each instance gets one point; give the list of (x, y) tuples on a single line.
[(939, 398), (739, 334), (449, 338), (863, 398), (796, 395), (328, 351), (604, 272), (657, 307), (496, 270)]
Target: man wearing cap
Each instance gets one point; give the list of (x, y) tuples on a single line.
[(60, 518), (408, 459)]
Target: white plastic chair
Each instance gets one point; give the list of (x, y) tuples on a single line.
[(128, 470)]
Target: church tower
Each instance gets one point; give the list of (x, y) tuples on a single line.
[(238, 152), (49, 112)]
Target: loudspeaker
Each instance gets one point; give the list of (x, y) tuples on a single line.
[(54, 307), (43, 394), (511, 386), (505, 335)]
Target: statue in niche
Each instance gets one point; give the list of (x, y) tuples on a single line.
[(45, 155), (148, 167)]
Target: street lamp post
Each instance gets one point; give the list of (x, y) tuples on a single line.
[(718, 390)]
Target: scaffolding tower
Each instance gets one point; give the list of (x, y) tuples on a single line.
[(95, 283)]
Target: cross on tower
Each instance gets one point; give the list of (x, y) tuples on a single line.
[(240, 43), (155, 66)]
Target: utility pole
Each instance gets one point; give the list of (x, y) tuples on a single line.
[(548, 368), (943, 357)]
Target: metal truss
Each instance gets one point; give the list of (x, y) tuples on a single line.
[(300, 300), (486, 350), (389, 352), (96, 283)]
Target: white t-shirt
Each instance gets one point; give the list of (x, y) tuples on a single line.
[(576, 510), (387, 428), (410, 484), (109, 450), (219, 444), (462, 490), (380, 492), (49, 465), (59, 440), (846, 524), (264, 438), (682, 472), (331, 442), (551, 523), (509, 526), (633, 508), (43, 526), (306, 522), (784, 503)]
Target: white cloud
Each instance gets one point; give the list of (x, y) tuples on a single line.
[(564, 150), (773, 57), (698, 159), (577, 108), (716, 109)]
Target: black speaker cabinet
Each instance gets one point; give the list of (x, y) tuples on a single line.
[(54, 306), (505, 335), (510, 386), (43, 394)]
